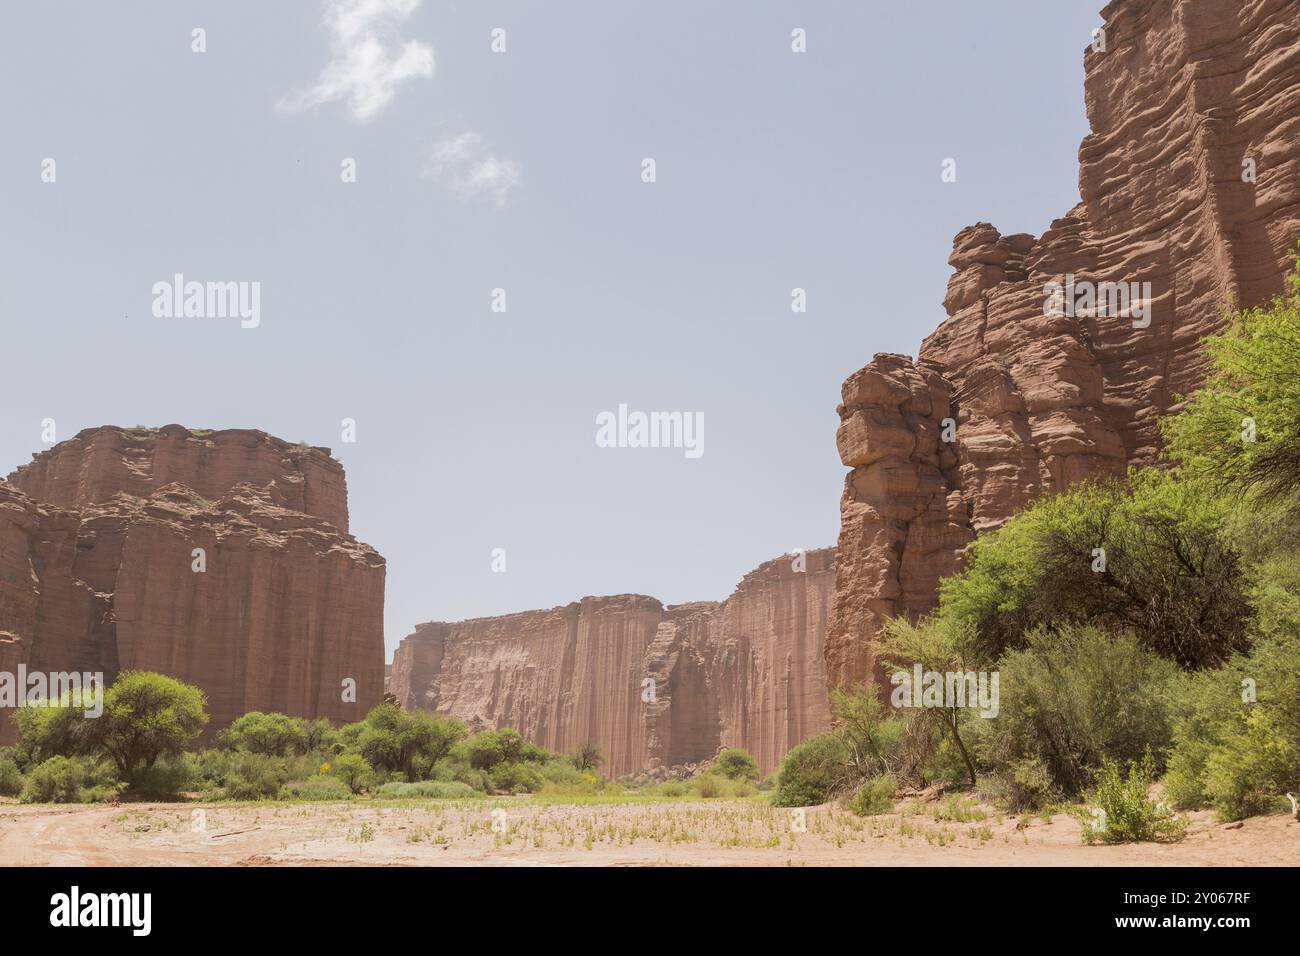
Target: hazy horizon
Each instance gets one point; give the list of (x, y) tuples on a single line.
[(518, 170)]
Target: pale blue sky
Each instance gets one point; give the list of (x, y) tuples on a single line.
[(476, 430)]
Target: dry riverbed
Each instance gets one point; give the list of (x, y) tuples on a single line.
[(523, 832)]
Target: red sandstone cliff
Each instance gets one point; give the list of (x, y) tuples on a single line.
[(747, 672), (97, 570), (1186, 97)]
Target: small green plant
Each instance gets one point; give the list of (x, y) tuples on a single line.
[(1126, 814), (874, 796), (708, 786)]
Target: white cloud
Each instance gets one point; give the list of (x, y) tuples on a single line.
[(368, 61), (466, 165)]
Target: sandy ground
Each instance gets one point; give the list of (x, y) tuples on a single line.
[(522, 833)]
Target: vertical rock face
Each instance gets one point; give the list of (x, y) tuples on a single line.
[(287, 608), (1190, 181), (650, 685)]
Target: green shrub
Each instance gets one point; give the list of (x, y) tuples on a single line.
[(315, 788), (813, 772), (276, 735), (353, 770), (1232, 753), (433, 789), (673, 788), (491, 747), (1172, 575), (400, 742), (709, 786), (1071, 698), (874, 796), (736, 763), (252, 776), (564, 773), (70, 780), (1254, 377), (11, 778), (515, 778), (166, 779), (1129, 815), (1024, 784)]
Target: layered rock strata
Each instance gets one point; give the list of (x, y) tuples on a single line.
[(652, 686), (1190, 184), (235, 588)]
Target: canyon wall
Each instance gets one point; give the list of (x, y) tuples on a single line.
[(652, 686), (98, 570), (1190, 181)]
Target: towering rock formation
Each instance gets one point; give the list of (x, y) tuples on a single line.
[(98, 559), (650, 685), (1190, 181)]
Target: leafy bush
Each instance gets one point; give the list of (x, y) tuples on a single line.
[(11, 778), (874, 796), (515, 777), (315, 788), (251, 776), (353, 770), (166, 779), (1129, 815), (563, 773), (1254, 381), (1072, 698), (1024, 784), (709, 786), (1171, 574), (277, 735), (434, 789), (1233, 753), (491, 747), (70, 780), (813, 772), (736, 763), (409, 743)]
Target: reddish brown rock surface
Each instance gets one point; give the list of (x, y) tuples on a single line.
[(1185, 93), (746, 672), (101, 462), (102, 579)]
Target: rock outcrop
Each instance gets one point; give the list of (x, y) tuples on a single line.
[(99, 463), (652, 686), (111, 558), (1190, 184)]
